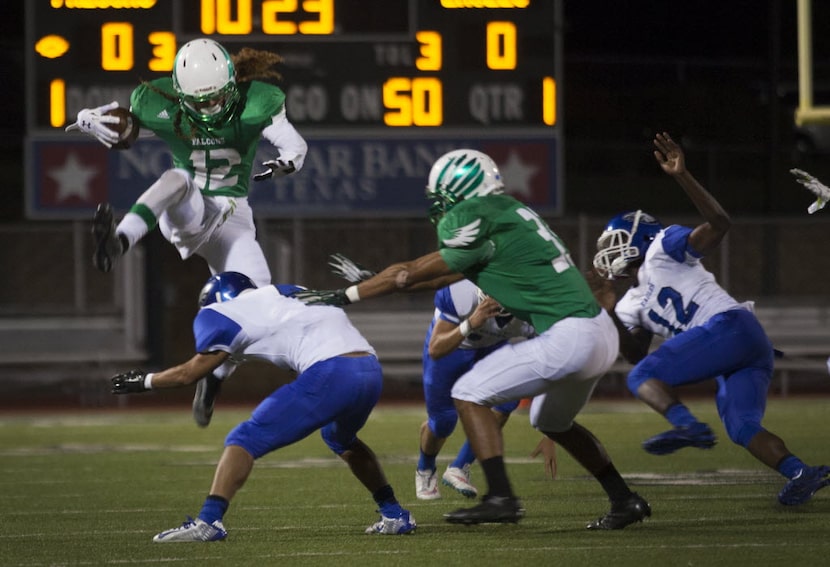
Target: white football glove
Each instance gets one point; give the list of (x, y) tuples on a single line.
[(275, 168), (816, 187), (93, 121), (348, 269)]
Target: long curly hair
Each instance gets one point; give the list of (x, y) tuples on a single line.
[(249, 64)]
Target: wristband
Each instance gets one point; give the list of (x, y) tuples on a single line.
[(464, 328), (353, 294), (148, 381)]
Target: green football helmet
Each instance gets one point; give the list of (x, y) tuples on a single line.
[(459, 175)]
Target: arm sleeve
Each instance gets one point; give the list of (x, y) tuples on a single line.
[(460, 259), (214, 331), (676, 243), (283, 136)]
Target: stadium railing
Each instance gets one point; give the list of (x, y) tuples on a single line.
[(802, 333)]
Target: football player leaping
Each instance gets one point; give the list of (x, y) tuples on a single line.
[(709, 334), (201, 204)]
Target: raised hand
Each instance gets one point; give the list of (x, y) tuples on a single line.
[(669, 154), (816, 187)]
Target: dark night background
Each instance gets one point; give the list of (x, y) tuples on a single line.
[(721, 76)]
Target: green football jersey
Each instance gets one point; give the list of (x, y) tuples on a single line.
[(220, 160), (508, 251)]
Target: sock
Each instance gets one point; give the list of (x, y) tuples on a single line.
[(387, 503), (213, 509), (680, 416), (426, 462), (496, 474), (613, 483), (465, 456), (790, 465), (133, 227)]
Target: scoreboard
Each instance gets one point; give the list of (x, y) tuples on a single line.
[(385, 63), (354, 72)]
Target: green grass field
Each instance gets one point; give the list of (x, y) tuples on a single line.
[(92, 488)]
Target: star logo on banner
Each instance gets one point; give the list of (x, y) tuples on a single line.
[(517, 175), (73, 179)]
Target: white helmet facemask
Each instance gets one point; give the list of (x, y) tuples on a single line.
[(615, 251)]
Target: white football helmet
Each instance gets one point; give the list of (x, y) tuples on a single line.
[(204, 78), (458, 175)]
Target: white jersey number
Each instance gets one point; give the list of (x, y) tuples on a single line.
[(211, 168), (561, 262)]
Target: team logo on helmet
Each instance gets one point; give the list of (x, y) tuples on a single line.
[(459, 175)]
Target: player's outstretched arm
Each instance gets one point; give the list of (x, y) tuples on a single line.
[(429, 272), (814, 186), (707, 236), (96, 123), (348, 269), (136, 381)]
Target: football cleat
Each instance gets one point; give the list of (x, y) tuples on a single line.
[(696, 435), (207, 389), (193, 530), (426, 485), (632, 509), (491, 510), (802, 486), (108, 246), (401, 524), (459, 479)]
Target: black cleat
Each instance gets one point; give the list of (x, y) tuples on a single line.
[(108, 246), (492, 510), (207, 389), (632, 509)]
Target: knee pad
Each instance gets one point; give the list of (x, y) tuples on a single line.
[(741, 432), (333, 442), (443, 423), (637, 376), (250, 437)]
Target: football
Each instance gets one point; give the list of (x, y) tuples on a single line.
[(127, 127)]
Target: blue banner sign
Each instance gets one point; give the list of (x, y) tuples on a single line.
[(357, 177)]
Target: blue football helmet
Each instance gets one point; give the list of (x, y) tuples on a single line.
[(625, 240), (224, 287)]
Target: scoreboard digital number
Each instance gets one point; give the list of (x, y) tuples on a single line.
[(466, 64)]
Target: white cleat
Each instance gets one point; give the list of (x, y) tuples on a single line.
[(459, 479), (193, 530), (426, 485)]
